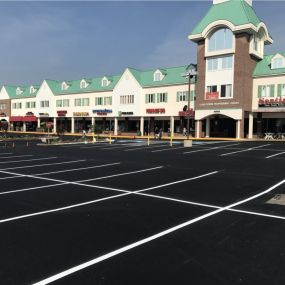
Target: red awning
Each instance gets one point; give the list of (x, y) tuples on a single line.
[(23, 119), (29, 119), (16, 119)]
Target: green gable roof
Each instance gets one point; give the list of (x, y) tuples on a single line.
[(172, 76), (238, 12), (263, 68), (11, 90), (74, 85)]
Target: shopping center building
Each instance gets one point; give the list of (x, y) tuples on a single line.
[(238, 91)]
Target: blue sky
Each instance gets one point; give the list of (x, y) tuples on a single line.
[(71, 40)]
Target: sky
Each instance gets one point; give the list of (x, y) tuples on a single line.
[(72, 40)]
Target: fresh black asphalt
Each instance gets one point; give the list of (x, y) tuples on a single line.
[(230, 247)]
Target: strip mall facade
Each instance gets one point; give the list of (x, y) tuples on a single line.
[(238, 92)]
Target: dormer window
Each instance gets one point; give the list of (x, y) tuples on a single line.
[(18, 91), (105, 82), (83, 84), (277, 63), (157, 76), (32, 90), (64, 86)]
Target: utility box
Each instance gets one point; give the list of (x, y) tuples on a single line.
[(187, 143)]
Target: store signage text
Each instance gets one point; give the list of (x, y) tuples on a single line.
[(187, 113), (102, 112), (42, 115), (155, 111), (80, 114), (277, 102), (125, 113), (3, 115), (61, 113), (29, 114)]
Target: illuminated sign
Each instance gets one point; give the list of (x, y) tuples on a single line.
[(80, 114), (155, 111), (120, 113), (43, 115), (186, 113)]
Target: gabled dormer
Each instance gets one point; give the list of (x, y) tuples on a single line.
[(278, 61), (19, 91), (32, 89), (83, 84), (105, 81), (159, 74), (64, 86)]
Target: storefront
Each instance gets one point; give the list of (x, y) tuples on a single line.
[(24, 123)]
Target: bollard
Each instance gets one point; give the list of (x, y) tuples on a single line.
[(27, 144), (13, 145), (110, 138), (171, 139)]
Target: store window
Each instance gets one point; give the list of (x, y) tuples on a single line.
[(162, 98), (98, 101), (226, 91)]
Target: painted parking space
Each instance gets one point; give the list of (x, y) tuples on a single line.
[(98, 206)]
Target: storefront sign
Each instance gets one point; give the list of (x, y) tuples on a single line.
[(102, 112), (277, 102), (190, 113), (155, 111), (43, 115), (212, 95), (80, 114), (61, 113), (3, 115), (29, 114), (120, 113)]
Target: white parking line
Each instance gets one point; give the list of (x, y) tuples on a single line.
[(149, 239), (244, 150), (4, 153), (122, 146), (122, 174), (169, 148), (205, 149), (275, 154), (40, 165), (144, 147), (125, 192), (15, 161), (11, 177), (32, 188), (77, 169), (13, 156)]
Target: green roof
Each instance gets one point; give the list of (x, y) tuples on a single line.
[(74, 85), (172, 76), (263, 68), (11, 90), (238, 12)]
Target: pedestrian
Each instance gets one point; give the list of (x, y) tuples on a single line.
[(84, 136), (184, 132)]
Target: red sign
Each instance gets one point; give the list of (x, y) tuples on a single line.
[(156, 111), (3, 115), (212, 95), (277, 102), (190, 113), (61, 113)]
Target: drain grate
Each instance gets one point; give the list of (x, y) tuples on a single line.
[(278, 199)]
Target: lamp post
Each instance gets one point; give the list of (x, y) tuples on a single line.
[(191, 70)]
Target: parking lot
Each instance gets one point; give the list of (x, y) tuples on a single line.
[(128, 213)]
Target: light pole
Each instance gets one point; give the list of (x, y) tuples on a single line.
[(191, 70)]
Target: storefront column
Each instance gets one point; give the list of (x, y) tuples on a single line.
[(208, 127), (198, 129), (39, 123), (238, 122), (172, 126), (93, 121), (116, 126), (142, 126), (24, 127), (54, 125), (250, 125), (72, 125)]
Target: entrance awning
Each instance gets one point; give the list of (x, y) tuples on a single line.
[(23, 119), (16, 119), (29, 119)]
